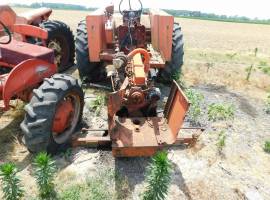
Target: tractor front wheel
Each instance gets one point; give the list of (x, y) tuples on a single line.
[(53, 114)]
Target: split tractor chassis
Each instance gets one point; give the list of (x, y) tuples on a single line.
[(131, 49)]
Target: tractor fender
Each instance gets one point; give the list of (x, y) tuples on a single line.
[(29, 30), (26, 75)]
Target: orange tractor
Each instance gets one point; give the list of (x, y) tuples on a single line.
[(134, 49), (130, 48), (29, 72)]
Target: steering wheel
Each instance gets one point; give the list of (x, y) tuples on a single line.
[(130, 8), (8, 33)]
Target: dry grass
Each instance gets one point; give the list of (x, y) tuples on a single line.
[(219, 53)]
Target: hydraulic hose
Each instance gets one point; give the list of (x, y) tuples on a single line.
[(8, 32)]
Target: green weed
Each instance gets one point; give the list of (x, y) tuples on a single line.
[(220, 112), (195, 99), (97, 104), (44, 173), (267, 146), (158, 177), (221, 140), (11, 184), (263, 63), (231, 55)]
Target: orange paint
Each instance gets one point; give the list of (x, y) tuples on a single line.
[(161, 32), (62, 117), (96, 34), (29, 30), (25, 75)]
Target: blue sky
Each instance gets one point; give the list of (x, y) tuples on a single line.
[(249, 8)]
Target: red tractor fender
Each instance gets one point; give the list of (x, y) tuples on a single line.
[(26, 75), (29, 30), (32, 31)]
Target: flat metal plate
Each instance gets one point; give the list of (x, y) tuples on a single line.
[(141, 132)]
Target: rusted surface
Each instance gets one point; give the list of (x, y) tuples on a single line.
[(176, 108), (138, 36), (140, 136), (91, 141)]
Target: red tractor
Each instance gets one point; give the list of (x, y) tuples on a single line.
[(35, 27), (29, 73)]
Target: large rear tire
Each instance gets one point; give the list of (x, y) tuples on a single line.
[(88, 71), (39, 126), (61, 40), (172, 69)]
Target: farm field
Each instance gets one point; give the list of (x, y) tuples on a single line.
[(217, 56)]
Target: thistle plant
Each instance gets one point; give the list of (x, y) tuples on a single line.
[(158, 177), (195, 99), (10, 182), (44, 172)]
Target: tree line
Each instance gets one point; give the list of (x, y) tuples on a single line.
[(175, 13)]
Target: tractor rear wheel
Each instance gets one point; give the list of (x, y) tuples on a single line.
[(61, 40), (172, 69), (53, 114), (88, 71)]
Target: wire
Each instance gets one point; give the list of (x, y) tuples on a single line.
[(8, 32)]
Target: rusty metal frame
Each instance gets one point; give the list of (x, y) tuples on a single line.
[(128, 138)]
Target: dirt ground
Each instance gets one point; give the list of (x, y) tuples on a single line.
[(216, 58)]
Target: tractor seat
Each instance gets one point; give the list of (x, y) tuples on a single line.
[(17, 52), (32, 15)]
